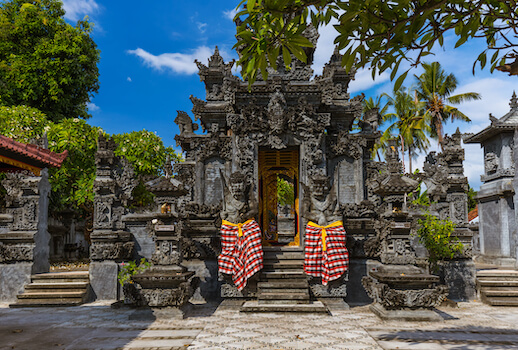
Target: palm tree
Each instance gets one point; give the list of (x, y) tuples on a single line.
[(435, 88), (408, 124)]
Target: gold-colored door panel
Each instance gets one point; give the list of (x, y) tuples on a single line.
[(278, 196)]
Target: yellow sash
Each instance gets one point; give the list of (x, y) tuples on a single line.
[(239, 226), (324, 233)]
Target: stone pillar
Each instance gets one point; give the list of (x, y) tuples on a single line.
[(111, 242), (24, 238)]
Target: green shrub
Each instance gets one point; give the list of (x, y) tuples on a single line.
[(130, 269), (436, 236)]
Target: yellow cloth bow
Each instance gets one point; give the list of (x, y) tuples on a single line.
[(239, 226), (324, 233)]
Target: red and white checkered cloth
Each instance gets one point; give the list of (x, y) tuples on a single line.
[(325, 253), (242, 253)]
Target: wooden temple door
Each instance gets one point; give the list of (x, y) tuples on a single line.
[(279, 196)]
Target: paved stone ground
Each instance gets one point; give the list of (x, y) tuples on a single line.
[(471, 326)]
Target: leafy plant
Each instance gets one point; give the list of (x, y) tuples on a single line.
[(130, 269), (436, 236), (285, 192)]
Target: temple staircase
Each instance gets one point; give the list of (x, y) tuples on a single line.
[(498, 287), (55, 289), (283, 286)]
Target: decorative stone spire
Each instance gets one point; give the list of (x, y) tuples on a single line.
[(514, 101)]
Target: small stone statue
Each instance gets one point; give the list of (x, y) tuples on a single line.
[(320, 202), (238, 207), (241, 250), (326, 256)]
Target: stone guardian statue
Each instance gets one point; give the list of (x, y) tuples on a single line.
[(326, 255), (241, 250)]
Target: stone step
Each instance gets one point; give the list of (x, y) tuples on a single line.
[(53, 290), (496, 283), (283, 296), (312, 307), (499, 293), (61, 277), (283, 249), (283, 284), (276, 275), (497, 273), (54, 286), (47, 302), (282, 301), (52, 295), (67, 274), (298, 264), (284, 255), (283, 290), (501, 301)]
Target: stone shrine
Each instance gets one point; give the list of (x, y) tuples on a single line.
[(498, 239)]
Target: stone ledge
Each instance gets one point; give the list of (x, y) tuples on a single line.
[(405, 314)]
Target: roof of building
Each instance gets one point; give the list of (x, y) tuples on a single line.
[(472, 215), (16, 156), (508, 122)]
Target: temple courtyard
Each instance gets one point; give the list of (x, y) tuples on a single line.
[(97, 325)]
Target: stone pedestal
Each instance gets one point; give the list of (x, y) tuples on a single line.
[(13, 278), (166, 284), (460, 278), (103, 280), (403, 292)]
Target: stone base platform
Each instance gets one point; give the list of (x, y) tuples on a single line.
[(313, 307), (159, 313), (405, 314)]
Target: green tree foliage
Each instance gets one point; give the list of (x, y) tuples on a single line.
[(472, 202), (285, 192), (145, 151), (375, 33), (436, 236), (46, 63), (22, 123), (435, 88), (72, 184)]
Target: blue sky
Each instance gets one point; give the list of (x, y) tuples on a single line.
[(147, 71)]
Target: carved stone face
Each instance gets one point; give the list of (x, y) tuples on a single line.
[(319, 189), (237, 189)]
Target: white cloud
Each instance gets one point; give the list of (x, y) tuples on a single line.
[(92, 107), (230, 14), (77, 9), (202, 27), (128, 79), (496, 93), (325, 46), (181, 63), (363, 80)]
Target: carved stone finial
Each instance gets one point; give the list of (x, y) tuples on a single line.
[(168, 168), (185, 124), (514, 101)]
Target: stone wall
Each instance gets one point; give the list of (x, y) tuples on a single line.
[(24, 238)]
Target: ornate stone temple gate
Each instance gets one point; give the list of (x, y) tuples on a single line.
[(282, 151), (281, 134)]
